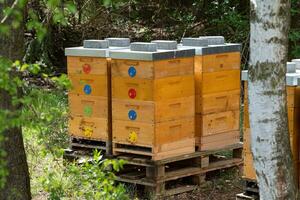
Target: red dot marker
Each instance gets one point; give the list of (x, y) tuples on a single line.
[(86, 68), (132, 93)]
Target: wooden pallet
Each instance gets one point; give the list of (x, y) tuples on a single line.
[(80, 148), (153, 152), (176, 174)]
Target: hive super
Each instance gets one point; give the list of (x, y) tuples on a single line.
[(158, 99)]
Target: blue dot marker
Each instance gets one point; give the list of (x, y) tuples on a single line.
[(131, 71), (87, 89), (132, 115)]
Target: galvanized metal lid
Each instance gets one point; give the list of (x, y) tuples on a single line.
[(214, 49), (297, 62), (149, 51), (290, 67), (195, 42), (96, 48), (95, 44), (214, 40), (143, 46), (118, 42), (165, 44)]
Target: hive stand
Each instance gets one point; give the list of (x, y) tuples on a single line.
[(293, 105), (153, 100), (90, 96), (176, 174), (217, 85)]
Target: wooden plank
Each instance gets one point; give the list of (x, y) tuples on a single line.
[(220, 81), (174, 131), (145, 110), (137, 133), (181, 189), (153, 90), (218, 102), (89, 128), (144, 69), (211, 124), (220, 143), (180, 173), (175, 109), (154, 70), (97, 84), (86, 65), (200, 153), (88, 106), (221, 62), (143, 181), (174, 67), (223, 164), (150, 112), (88, 146)]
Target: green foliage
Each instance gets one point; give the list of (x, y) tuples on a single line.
[(92, 179), (294, 35)]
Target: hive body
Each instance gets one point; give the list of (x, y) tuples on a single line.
[(153, 106), (217, 80), (88, 98)]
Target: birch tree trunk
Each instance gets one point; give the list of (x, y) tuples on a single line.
[(267, 99)]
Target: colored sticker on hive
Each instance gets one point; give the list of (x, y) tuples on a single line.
[(132, 115), (86, 68), (88, 111), (87, 131), (132, 93), (131, 71), (87, 89), (132, 137)]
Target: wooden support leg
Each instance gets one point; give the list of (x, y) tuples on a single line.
[(155, 173), (204, 161), (237, 153)]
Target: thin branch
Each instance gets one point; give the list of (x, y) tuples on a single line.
[(12, 7)]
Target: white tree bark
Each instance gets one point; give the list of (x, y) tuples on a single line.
[(267, 99)]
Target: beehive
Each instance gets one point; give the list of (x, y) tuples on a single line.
[(217, 89), (293, 106), (89, 98), (153, 100)]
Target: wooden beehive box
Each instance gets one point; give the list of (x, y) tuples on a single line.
[(153, 101), (217, 88), (89, 98), (293, 106)]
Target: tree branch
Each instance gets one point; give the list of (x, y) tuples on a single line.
[(12, 7)]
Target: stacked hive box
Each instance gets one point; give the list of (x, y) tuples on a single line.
[(217, 83), (293, 106), (89, 98), (153, 100)]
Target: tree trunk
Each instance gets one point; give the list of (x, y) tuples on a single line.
[(17, 185), (267, 99)]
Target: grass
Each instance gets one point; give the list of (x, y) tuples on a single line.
[(45, 135)]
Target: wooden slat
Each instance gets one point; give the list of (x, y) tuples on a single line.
[(76, 65), (154, 69), (88, 106), (158, 89), (88, 128), (179, 190), (98, 84)]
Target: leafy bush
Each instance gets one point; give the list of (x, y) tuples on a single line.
[(90, 180)]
